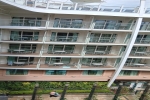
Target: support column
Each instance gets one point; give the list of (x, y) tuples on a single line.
[(64, 92), (92, 92), (35, 90), (145, 92), (130, 44), (118, 92)]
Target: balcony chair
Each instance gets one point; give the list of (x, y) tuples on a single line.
[(10, 63)]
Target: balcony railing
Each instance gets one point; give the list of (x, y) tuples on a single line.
[(75, 6), (97, 64), (61, 64), (137, 65), (17, 37), (59, 51), (97, 52), (21, 22), (17, 63), (21, 51), (66, 24), (113, 25), (102, 40), (140, 53), (142, 41), (64, 39), (70, 24)]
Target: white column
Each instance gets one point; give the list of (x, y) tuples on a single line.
[(130, 44)]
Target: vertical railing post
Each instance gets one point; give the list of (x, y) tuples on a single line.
[(92, 91), (145, 92), (118, 92)]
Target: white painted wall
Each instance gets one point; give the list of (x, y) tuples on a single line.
[(6, 34), (120, 37), (115, 50), (4, 47), (3, 60), (110, 61), (78, 49)]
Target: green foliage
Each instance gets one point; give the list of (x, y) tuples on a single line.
[(125, 90), (59, 91), (46, 87)]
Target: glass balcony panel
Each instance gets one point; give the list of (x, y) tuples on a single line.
[(68, 6), (55, 6), (144, 25), (99, 24)]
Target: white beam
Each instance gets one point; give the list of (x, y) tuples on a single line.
[(130, 44)]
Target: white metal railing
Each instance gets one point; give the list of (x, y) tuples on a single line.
[(75, 6), (58, 51), (17, 63), (142, 41), (63, 38), (100, 24), (17, 37), (139, 64), (18, 51), (97, 52), (140, 53), (23, 22), (96, 64), (102, 39)]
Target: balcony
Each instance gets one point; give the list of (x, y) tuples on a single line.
[(140, 53), (58, 53), (69, 23), (19, 52), (17, 38), (102, 39), (135, 66), (58, 66), (99, 53), (142, 41), (18, 65), (64, 39), (93, 66), (22, 23), (112, 25), (75, 6)]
